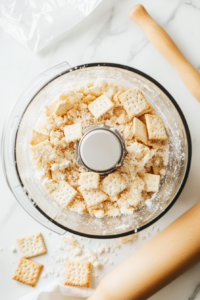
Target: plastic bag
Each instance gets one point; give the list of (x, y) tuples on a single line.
[(35, 23)]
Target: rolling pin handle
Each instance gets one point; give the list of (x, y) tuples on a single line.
[(167, 48)]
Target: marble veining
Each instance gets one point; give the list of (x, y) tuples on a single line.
[(107, 35), (195, 293)]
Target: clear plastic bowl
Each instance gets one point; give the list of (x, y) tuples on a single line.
[(20, 173)]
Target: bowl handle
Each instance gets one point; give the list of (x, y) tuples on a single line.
[(8, 146)]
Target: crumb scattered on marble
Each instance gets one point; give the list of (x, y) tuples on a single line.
[(128, 238), (13, 249), (98, 253), (44, 275), (97, 265), (57, 259), (60, 247), (50, 270)]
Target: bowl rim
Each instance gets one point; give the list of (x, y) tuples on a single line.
[(189, 143)]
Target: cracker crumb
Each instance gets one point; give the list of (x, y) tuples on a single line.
[(97, 265), (128, 238), (13, 249)]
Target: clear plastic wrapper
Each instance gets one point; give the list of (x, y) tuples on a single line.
[(36, 23)]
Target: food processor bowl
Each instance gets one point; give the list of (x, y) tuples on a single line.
[(20, 173)]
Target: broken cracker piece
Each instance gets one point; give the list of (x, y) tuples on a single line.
[(62, 107), (128, 132), (151, 182), (31, 245), (142, 119), (111, 91), (51, 108), (38, 137), (134, 102), (100, 106), (128, 238), (73, 132), (151, 110), (93, 197), (113, 184), (89, 98), (122, 119), (155, 144), (43, 153), (82, 106), (49, 185), (99, 213), (77, 273), (27, 271), (156, 170), (75, 246), (95, 90), (71, 96), (89, 180), (73, 112), (155, 127), (114, 212), (127, 210), (58, 175), (69, 240), (140, 131), (115, 97), (64, 194)]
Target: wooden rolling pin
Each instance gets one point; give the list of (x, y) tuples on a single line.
[(165, 45), (168, 255)]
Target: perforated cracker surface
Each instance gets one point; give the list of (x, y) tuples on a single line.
[(134, 102), (27, 271), (89, 180), (155, 127), (113, 184), (151, 182), (100, 106), (93, 197), (77, 273), (31, 245), (64, 194)]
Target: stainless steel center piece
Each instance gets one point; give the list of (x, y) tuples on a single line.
[(101, 149)]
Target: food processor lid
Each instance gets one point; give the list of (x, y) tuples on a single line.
[(102, 149), (25, 113)]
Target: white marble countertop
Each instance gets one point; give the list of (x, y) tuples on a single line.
[(107, 35)]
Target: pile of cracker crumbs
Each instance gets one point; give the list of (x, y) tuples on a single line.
[(54, 157)]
